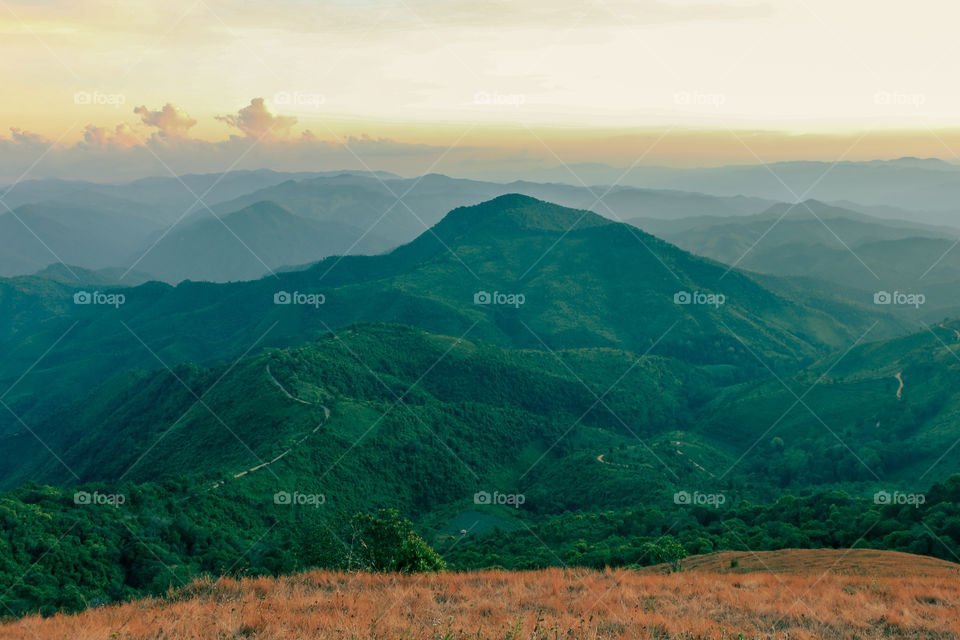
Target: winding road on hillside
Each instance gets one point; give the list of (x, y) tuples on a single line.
[(297, 443), (627, 466), (899, 377), (956, 332)]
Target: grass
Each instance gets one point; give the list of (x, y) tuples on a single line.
[(907, 597)]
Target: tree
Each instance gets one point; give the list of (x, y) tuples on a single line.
[(666, 549), (388, 542)]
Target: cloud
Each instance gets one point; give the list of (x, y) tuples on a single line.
[(256, 121), (19, 136), (171, 120), (122, 136)]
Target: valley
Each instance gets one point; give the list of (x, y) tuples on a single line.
[(419, 320), (553, 431)]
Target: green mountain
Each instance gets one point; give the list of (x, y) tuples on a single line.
[(585, 282), (512, 458), (399, 210), (373, 396), (882, 412), (833, 248)]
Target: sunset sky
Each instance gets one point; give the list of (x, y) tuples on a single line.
[(546, 81)]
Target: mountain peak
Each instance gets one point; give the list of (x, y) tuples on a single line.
[(521, 212), (263, 208)]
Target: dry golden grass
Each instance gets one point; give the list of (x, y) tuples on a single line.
[(921, 600), (865, 562)]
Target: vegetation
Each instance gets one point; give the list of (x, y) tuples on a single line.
[(61, 555), (587, 291), (905, 597), (563, 433)]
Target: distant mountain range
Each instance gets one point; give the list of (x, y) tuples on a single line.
[(158, 227), (585, 281), (516, 347), (259, 222), (927, 189), (836, 246)]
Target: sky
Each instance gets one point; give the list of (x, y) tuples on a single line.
[(109, 89)]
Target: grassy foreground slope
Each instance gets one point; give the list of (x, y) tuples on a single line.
[(907, 597)]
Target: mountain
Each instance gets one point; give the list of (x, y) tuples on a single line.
[(584, 281), (926, 187), (509, 458), (74, 276), (167, 198), (248, 244), (370, 203), (469, 398), (36, 235), (885, 410), (840, 248), (160, 220)]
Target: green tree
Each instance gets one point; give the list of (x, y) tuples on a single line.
[(388, 542), (666, 549)]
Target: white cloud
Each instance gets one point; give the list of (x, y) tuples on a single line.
[(256, 121), (171, 120)]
